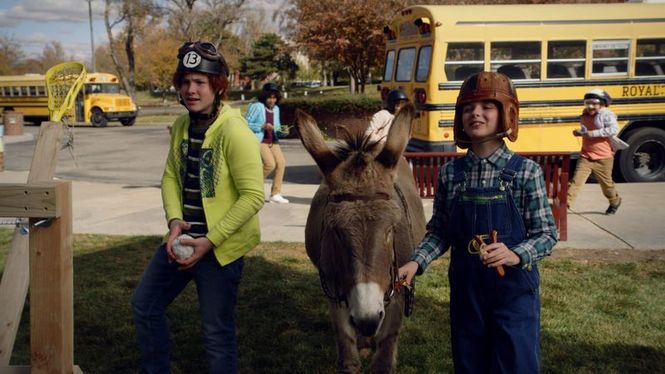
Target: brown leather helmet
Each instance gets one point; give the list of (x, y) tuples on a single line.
[(488, 86)]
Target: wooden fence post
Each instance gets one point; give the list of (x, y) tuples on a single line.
[(45, 259), (13, 291), (52, 289)]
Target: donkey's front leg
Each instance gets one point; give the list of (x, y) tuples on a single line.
[(348, 360), (385, 357)]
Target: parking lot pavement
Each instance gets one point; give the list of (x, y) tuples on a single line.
[(116, 191), (106, 208)]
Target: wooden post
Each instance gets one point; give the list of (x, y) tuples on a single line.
[(13, 287), (49, 267), (49, 207), (52, 288), (13, 291)]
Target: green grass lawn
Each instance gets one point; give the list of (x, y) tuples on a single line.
[(597, 317), (155, 119)]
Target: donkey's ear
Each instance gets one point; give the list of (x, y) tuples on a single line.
[(398, 136), (311, 138)]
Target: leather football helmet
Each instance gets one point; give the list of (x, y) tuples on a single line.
[(488, 86)]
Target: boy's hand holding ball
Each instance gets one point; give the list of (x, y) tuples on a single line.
[(182, 252)]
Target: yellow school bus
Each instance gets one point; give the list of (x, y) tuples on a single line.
[(554, 53), (98, 102)]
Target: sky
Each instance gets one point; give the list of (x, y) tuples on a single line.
[(34, 23)]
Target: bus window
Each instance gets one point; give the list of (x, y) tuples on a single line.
[(565, 59), (41, 91), (390, 64), (424, 58), (518, 60), (650, 57), (405, 62), (93, 88), (610, 57), (33, 91), (463, 60), (424, 28)]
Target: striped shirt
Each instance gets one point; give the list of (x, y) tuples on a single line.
[(528, 192), (191, 195)]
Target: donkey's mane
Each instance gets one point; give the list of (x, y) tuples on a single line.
[(355, 144)]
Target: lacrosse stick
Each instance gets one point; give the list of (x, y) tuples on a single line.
[(63, 83)]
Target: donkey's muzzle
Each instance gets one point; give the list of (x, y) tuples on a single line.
[(367, 326)]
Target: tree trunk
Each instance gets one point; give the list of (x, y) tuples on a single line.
[(126, 78), (129, 50), (352, 81), (114, 54)]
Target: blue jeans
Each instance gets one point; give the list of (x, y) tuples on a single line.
[(217, 288)]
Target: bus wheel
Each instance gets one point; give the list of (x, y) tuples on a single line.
[(97, 118), (644, 159), (128, 121)]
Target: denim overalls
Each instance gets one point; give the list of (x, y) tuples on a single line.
[(495, 322)]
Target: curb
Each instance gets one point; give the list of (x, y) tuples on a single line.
[(11, 139)]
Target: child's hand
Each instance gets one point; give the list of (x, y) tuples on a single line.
[(408, 271), (285, 130), (582, 131), (176, 227), (201, 247), (497, 254)]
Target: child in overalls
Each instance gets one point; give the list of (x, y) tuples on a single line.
[(491, 208)]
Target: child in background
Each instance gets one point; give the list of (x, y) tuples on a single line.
[(378, 127), (264, 120), (598, 129), (491, 196)]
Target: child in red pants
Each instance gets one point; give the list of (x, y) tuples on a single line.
[(598, 129)]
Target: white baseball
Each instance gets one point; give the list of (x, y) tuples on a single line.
[(182, 252)]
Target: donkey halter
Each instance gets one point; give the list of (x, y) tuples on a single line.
[(395, 283)]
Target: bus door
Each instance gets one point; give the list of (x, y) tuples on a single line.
[(79, 113)]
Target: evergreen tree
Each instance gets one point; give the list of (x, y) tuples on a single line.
[(269, 56)]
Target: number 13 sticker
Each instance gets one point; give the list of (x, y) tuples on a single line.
[(191, 60)]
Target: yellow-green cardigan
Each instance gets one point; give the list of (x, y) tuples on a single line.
[(231, 176)]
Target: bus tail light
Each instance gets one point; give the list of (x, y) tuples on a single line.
[(420, 96)]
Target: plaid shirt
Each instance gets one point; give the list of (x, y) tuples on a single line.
[(528, 192)]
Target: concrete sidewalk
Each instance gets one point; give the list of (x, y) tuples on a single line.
[(104, 208)]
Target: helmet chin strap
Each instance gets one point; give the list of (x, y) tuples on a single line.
[(485, 139)]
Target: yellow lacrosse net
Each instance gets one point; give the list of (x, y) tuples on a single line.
[(63, 82)]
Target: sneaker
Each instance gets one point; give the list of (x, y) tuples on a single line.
[(612, 209), (277, 198)]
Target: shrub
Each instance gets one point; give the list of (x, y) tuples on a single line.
[(330, 112)]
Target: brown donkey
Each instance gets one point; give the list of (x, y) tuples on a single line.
[(364, 222)]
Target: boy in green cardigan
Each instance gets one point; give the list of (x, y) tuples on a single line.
[(212, 190)]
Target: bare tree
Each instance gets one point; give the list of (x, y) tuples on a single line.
[(53, 54), (181, 17), (11, 55), (132, 15), (204, 19)]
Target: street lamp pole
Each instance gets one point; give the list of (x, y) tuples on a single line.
[(92, 42)]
